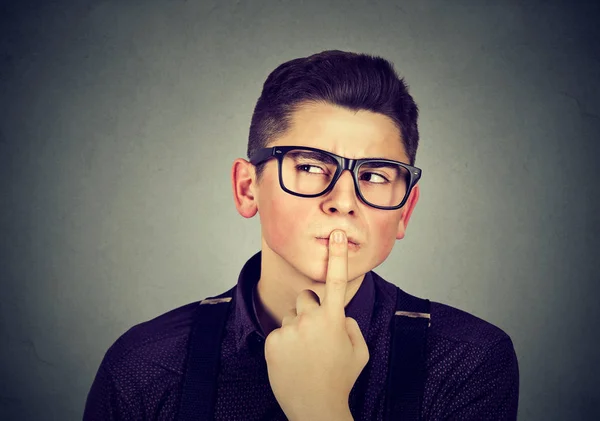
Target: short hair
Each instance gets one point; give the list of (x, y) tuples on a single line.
[(349, 80)]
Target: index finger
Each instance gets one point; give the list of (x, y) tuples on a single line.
[(337, 274)]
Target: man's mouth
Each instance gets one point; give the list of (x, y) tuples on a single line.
[(352, 246)]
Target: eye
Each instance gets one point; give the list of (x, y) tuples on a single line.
[(379, 179), (303, 168)]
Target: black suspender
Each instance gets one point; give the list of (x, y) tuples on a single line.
[(199, 392), (406, 374)]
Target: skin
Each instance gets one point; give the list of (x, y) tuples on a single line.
[(314, 359), (292, 258)]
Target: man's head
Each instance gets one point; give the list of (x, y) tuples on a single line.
[(351, 105)]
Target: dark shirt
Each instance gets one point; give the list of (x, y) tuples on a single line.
[(472, 369)]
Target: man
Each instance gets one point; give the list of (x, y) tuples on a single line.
[(332, 148)]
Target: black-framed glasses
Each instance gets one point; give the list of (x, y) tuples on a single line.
[(311, 172)]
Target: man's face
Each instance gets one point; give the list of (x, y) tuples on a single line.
[(291, 224)]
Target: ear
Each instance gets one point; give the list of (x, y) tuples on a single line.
[(407, 211), (244, 188)]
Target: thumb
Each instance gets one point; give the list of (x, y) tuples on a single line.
[(361, 349)]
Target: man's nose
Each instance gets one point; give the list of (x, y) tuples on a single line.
[(343, 196)]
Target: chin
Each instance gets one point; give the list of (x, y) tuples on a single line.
[(309, 265), (312, 261), (316, 268)]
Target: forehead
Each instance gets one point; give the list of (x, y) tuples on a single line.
[(353, 134)]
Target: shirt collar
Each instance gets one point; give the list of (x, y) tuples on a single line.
[(359, 308)]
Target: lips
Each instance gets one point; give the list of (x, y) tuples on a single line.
[(350, 240), (352, 246)]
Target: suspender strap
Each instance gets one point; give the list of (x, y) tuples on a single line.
[(199, 391), (406, 373)]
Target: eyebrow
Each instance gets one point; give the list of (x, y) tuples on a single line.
[(380, 164), (312, 155), (395, 168), (381, 157)]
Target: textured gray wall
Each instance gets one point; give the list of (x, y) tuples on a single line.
[(119, 121)]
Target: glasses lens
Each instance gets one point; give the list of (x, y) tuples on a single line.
[(383, 183), (309, 172)]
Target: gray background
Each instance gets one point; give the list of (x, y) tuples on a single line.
[(120, 121)]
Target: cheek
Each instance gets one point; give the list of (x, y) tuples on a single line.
[(281, 221), (386, 231)]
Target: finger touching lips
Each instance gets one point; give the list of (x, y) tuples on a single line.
[(351, 246), (337, 272)]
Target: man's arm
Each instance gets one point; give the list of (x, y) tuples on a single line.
[(492, 391)]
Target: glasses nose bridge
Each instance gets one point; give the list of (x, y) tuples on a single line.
[(346, 164)]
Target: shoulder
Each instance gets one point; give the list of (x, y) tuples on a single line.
[(173, 323), (141, 371), (162, 336), (472, 366), (447, 322), (462, 345), (457, 339), (160, 341), (460, 326)]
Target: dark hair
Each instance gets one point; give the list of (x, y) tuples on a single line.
[(350, 80)]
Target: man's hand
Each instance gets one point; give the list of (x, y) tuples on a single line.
[(314, 359)]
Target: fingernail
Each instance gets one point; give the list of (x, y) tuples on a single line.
[(338, 237)]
